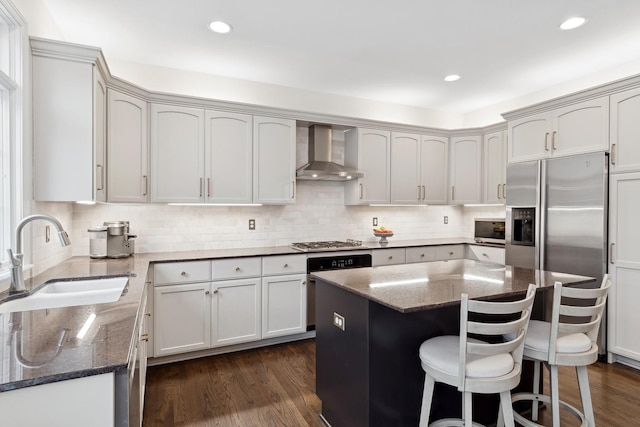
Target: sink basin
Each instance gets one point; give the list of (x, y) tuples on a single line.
[(68, 293)]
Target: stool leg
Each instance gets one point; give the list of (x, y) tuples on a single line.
[(427, 396), (555, 399), (585, 394), (536, 390), (507, 410), (468, 411)]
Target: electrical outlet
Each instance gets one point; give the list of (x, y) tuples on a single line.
[(338, 321), (375, 221), (252, 224), (446, 219)]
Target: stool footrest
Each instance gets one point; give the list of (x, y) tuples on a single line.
[(452, 422), (517, 397)]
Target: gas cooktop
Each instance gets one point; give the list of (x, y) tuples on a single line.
[(327, 246)]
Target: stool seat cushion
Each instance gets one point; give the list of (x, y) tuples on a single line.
[(442, 353), (538, 339)]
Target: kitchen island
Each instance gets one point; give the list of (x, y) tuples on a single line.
[(370, 323)]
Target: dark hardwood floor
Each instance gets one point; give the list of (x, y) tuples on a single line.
[(275, 386)]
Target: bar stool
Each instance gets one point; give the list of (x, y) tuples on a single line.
[(558, 343), (475, 366)]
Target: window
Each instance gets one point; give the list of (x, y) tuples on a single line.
[(12, 41)]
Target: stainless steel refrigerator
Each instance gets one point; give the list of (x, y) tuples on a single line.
[(556, 217)]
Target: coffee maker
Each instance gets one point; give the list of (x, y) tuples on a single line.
[(112, 240)]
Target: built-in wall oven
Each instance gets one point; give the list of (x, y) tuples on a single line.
[(325, 262)]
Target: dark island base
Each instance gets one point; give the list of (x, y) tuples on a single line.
[(370, 373)]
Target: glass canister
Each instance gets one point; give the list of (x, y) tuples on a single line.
[(98, 242)]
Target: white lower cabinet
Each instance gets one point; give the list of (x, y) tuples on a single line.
[(284, 305), (446, 252), (182, 318), (485, 253), (235, 311)]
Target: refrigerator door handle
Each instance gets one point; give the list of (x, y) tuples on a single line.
[(541, 214), (611, 260)]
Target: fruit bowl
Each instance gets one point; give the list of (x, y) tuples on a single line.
[(383, 236)]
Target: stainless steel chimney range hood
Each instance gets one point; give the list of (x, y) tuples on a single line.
[(320, 166)]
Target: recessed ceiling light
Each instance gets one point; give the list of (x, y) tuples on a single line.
[(452, 78), (220, 27), (572, 23)]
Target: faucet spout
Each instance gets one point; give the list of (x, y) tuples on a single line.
[(17, 280)]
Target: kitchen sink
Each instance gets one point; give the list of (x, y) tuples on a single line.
[(68, 293)]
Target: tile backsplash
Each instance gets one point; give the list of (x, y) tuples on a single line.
[(318, 214)]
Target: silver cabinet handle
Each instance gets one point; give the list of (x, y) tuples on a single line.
[(208, 187), (237, 269), (390, 257), (421, 255), (360, 191), (553, 140), (200, 186), (146, 185), (293, 189), (207, 293), (498, 191), (184, 273), (613, 154), (304, 282), (419, 193), (453, 192), (504, 191), (611, 260), (546, 141), (286, 266), (101, 175), (215, 291), (424, 192)]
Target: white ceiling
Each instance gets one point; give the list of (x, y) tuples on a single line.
[(396, 52)]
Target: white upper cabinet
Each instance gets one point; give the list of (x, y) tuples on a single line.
[(177, 154), (466, 170), (229, 157), (575, 129), (418, 169), (69, 116), (369, 152), (127, 149), (405, 169), (434, 161), (625, 131), (495, 167), (274, 160)]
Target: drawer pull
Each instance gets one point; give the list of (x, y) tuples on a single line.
[(237, 269), (207, 293), (421, 255), (148, 314), (215, 291), (390, 257), (304, 282), (184, 273), (144, 337), (286, 266), (451, 253), (484, 254)]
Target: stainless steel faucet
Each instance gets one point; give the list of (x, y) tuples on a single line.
[(17, 280)]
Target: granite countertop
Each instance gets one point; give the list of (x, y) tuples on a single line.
[(415, 287), (28, 340)]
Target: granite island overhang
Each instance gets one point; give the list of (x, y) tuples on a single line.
[(370, 323)]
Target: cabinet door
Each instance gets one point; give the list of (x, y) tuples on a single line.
[(625, 131), (177, 154), (581, 128), (235, 311), (529, 138), (274, 159), (405, 168), (100, 136), (128, 149), (434, 161), (369, 152), (229, 157), (466, 170), (182, 321), (495, 167), (284, 305), (624, 265)]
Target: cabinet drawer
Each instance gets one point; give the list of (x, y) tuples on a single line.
[(235, 268), (388, 256), (485, 253), (182, 272), (421, 254), (449, 252), (284, 264)]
